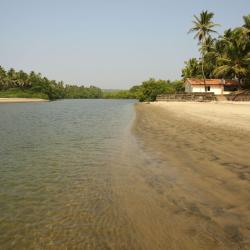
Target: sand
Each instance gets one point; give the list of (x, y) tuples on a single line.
[(196, 191), (18, 100), (227, 114)]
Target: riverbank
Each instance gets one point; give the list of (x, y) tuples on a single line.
[(21, 100), (234, 115), (201, 184)]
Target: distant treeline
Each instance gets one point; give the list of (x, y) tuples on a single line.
[(226, 56), (21, 84)]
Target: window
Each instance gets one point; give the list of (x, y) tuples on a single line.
[(207, 88)]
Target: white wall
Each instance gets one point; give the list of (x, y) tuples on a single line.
[(227, 92), (217, 90), (198, 88), (188, 88)]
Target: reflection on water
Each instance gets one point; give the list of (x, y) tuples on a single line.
[(57, 163)]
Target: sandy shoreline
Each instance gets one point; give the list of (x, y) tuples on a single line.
[(202, 181), (21, 100), (227, 114)]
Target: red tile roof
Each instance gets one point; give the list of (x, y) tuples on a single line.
[(195, 81)]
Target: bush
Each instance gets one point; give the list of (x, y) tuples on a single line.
[(150, 89)]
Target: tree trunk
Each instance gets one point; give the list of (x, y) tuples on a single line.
[(202, 63), (203, 74)]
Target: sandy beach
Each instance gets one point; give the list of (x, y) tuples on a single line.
[(235, 115), (17, 100), (201, 183)]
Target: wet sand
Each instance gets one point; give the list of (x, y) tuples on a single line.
[(17, 100), (193, 190)]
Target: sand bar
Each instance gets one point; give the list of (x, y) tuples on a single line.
[(20, 100), (198, 186)]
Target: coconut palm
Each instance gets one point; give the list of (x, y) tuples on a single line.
[(203, 27), (2, 78), (192, 69), (246, 25), (235, 58), (246, 31)]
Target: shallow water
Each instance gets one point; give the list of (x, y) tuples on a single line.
[(57, 164)]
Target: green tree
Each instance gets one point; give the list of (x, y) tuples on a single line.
[(178, 86), (192, 69), (234, 59), (203, 27), (246, 25), (3, 76), (151, 88)]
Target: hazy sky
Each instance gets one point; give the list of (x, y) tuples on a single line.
[(107, 43)]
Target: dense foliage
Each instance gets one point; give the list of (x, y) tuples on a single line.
[(226, 56), (20, 84), (119, 94), (149, 89)]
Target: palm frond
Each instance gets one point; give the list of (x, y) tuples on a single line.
[(221, 70)]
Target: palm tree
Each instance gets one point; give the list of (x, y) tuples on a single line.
[(203, 27), (235, 58), (245, 30), (11, 78), (2, 78), (23, 79), (246, 25), (192, 69)]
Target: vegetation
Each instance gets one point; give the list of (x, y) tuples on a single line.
[(227, 56), (149, 89), (20, 84), (34, 85), (119, 94), (19, 93), (203, 27), (81, 92)]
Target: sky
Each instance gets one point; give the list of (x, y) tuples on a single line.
[(111, 44)]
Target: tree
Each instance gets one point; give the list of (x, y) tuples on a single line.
[(2, 78), (246, 25), (192, 69), (151, 88), (234, 60), (20, 83), (203, 27)]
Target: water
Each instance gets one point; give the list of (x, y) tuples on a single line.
[(58, 164)]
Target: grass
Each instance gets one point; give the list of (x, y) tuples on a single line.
[(19, 93)]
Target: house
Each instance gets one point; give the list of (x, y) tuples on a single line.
[(217, 86)]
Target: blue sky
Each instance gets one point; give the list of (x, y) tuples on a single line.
[(107, 43)]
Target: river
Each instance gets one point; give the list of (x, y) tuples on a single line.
[(58, 163)]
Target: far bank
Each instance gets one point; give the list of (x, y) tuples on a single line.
[(21, 100)]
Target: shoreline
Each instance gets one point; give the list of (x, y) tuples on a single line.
[(21, 100), (229, 115), (203, 171)]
